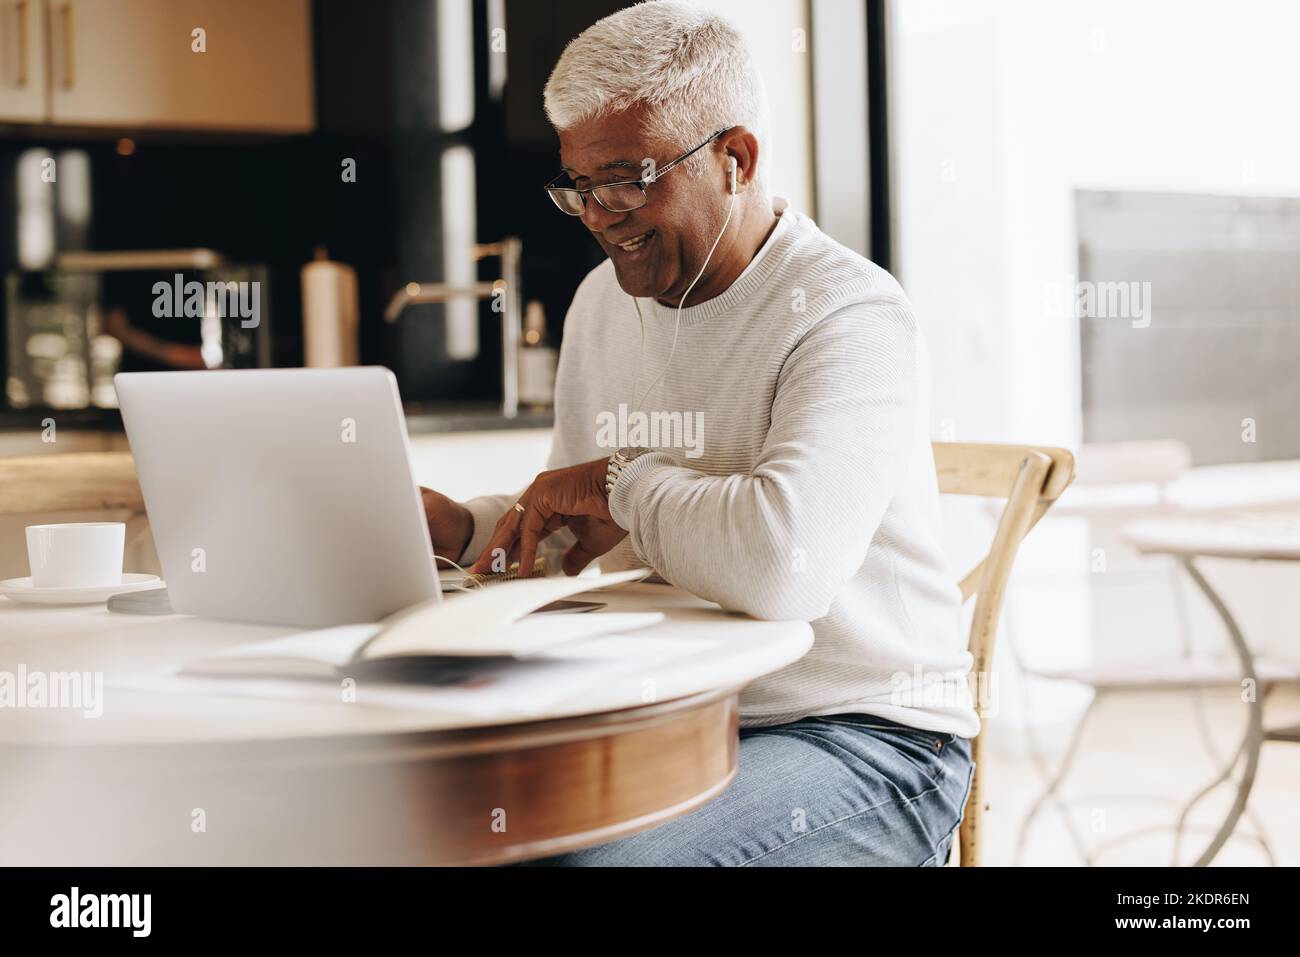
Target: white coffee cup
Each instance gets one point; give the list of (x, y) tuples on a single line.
[(77, 554)]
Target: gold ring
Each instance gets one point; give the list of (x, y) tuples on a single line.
[(519, 508)]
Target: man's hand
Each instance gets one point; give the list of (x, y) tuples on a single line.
[(451, 525), (595, 537), (572, 498)]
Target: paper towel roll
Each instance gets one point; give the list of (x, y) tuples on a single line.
[(329, 313)]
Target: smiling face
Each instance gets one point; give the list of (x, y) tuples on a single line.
[(657, 249)]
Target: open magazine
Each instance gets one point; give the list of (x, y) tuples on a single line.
[(492, 622)]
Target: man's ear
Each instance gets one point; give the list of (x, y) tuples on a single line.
[(740, 145)]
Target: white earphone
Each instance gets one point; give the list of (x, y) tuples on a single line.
[(731, 160)]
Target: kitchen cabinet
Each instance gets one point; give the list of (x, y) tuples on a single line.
[(22, 61), (166, 64)]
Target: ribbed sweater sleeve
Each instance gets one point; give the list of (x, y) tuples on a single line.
[(780, 540)]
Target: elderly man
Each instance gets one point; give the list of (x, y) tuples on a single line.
[(809, 490)]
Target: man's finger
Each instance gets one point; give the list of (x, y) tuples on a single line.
[(503, 537), (576, 559), (531, 531)]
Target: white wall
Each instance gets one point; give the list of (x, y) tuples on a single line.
[(1003, 107), (769, 28), (1000, 109)]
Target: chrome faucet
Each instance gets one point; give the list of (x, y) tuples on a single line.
[(506, 290)]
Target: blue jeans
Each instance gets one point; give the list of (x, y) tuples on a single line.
[(845, 789)]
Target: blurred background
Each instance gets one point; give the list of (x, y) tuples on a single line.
[(999, 154), (1094, 206)]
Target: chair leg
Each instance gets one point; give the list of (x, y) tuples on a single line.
[(1052, 783), (1189, 652), (1260, 834), (1197, 700), (1253, 738), (1037, 754), (1224, 775), (1203, 723), (1130, 836)]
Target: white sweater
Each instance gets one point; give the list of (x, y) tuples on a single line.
[(798, 481)]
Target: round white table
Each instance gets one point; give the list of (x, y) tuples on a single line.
[(1252, 535), (217, 778)]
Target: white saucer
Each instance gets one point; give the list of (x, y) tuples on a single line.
[(21, 589)]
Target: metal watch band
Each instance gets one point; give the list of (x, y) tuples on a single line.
[(617, 462)]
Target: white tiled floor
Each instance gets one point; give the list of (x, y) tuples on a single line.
[(1146, 744)]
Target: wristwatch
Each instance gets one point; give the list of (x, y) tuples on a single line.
[(617, 463)]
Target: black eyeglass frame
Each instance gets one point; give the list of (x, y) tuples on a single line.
[(641, 184)]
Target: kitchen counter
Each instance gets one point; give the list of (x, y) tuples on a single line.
[(421, 419), (425, 418), (72, 420), (460, 450)]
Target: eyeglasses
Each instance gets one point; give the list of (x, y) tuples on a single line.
[(620, 197)]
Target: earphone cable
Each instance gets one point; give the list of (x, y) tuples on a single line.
[(678, 323)]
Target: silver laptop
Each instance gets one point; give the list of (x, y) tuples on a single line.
[(280, 495)]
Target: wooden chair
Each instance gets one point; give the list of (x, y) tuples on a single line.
[(1029, 478)]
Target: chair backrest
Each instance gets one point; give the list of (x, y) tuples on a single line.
[(69, 481), (1029, 478)]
